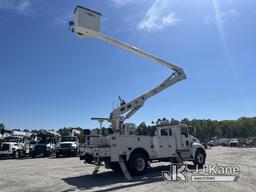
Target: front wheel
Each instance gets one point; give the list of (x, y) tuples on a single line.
[(138, 164), (75, 153), (16, 154), (199, 158), (47, 154)]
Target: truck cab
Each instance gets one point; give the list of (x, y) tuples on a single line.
[(68, 146), (15, 146), (177, 140)]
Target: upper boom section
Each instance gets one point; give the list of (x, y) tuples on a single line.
[(87, 24)]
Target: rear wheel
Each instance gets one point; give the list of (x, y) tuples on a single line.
[(199, 158), (115, 167), (138, 164)]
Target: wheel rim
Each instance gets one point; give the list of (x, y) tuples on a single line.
[(200, 158), (140, 164), (16, 154)]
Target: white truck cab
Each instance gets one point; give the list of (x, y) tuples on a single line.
[(68, 145), (15, 146)]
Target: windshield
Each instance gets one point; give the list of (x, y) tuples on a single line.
[(11, 139), (64, 139), (44, 140)]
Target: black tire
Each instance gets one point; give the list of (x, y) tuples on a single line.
[(47, 154), (174, 160), (33, 155), (115, 167), (138, 164), (75, 153), (199, 159), (16, 154), (57, 155)]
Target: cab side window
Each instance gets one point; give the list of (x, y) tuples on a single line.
[(184, 131), (164, 132)]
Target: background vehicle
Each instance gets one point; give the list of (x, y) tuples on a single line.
[(45, 143), (68, 145), (233, 142), (15, 146), (217, 142)]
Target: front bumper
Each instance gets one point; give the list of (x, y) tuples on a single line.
[(5, 153), (41, 150), (66, 151)]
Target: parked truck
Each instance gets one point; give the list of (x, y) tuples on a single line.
[(68, 146), (15, 147), (127, 152), (45, 143)]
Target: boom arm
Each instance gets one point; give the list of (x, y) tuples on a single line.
[(134, 105)]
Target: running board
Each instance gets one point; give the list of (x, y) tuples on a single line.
[(124, 169)]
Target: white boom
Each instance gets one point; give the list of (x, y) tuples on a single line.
[(87, 25)]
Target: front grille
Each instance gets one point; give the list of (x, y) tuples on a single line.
[(65, 145), (5, 147)]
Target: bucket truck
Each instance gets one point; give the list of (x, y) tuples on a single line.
[(16, 145), (45, 143), (132, 153)]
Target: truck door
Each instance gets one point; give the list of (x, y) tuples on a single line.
[(167, 145), (184, 137)]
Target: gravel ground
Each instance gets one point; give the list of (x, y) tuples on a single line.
[(70, 174)]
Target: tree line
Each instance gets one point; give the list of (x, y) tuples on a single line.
[(205, 128)]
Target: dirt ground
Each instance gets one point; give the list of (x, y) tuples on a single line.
[(70, 174)]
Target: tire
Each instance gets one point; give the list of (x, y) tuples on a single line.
[(57, 155), (33, 155), (115, 167), (138, 164), (16, 154), (47, 154), (75, 153), (199, 159)]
